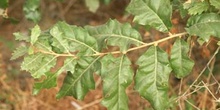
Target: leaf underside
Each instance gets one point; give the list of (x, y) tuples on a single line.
[(156, 13), (151, 80), (117, 75), (79, 82), (180, 62)]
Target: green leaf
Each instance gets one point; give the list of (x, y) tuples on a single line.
[(204, 25), (93, 5), (20, 37), (20, 51), (198, 8), (180, 62), (215, 3), (156, 13), (58, 40), (38, 64), (151, 80), (115, 34), (78, 83), (35, 33), (117, 75), (73, 39), (3, 4), (51, 78), (31, 10)]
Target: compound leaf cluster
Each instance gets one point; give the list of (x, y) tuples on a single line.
[(81, 49)]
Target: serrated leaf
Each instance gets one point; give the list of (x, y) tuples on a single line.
[(204, 25), (117, 75), (20, 37), (115, 34), (78, 39), (215, 3), (156, 13), (38, 64), (151, 80), (93, 5), (20, 51), (180, 62), (77, 84), (58, 40), (51, 78), (198, 8), (35, 33), (31, 10)]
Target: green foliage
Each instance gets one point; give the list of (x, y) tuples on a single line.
[(215, 3), (152, 77), (156, 13), (20, 51), (93, 5), (82, 50), (3, 4), (115, 34), (198, 7), (204, 25), (32, 11), (117, 75), (180, 62)]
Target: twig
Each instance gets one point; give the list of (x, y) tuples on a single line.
[(200, 74)]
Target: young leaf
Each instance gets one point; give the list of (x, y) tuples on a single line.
[(78, 39), (51, 78), (35, 33), (38, 64), (93, 5), (215, 3), (77, 84), (20, 37), (31, 10), (116, 34), (198, 8), (151, 80), (180, 62), (204, 25), (20, 51), (156, 13), (117, 76)]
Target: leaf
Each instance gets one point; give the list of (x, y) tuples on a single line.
[(151, 80), (20, 37), (35, 33), (38, 64), (3, 4), (115, 34), (117, 75), (51, 78), (198, 8), (93, 5), (215, 3), (77, 84), (180, 62), (156, 13), (78, 39), (204, 25), (31, 10), (20, 51), (58, 40)]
